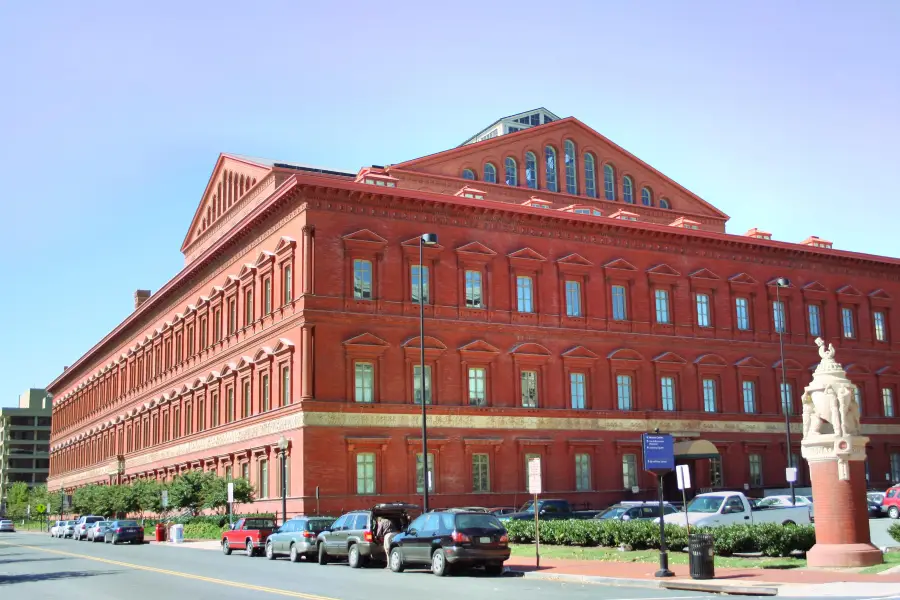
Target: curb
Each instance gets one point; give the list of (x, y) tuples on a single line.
[(718, 588), (715, 588)]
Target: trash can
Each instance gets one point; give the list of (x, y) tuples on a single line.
[(702, 551), (160, 532), (178, 533)]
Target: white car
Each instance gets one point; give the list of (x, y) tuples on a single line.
[(732, 508), (7, 526), (57, 525), (81, 525), (96, 532), (65, 529), (785, 500)]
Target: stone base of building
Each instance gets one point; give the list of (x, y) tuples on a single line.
[(844, 555)]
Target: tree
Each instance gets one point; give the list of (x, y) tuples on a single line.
[(17, 500), (39, 495), (215, 493), (120, 499), (186, 490), (86, 499), (148, 496)]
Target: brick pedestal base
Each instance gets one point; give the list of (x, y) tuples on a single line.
[(842, 517)]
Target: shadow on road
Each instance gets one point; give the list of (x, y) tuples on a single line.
[(33, 577), (24, 560)]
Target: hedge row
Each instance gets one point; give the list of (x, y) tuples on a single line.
[(769, 539), (894, 531)]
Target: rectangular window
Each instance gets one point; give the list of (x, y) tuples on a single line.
[(229, 405), (245, 472), (188, 419), (778, 315), (787, 403), (662, 306), (228, 473), (756, 479), (248, 400), (201, 409), (815, 319), (264, 392), (742, 308), (217, 325), (232, 316), (287, 283), (415, 283), (362, 279), (365, 473), (629, 471), (267, 296), (420, 473), (577, 389), (417, 384), (667, 391), (528, 458), (176, 420), (248, 307), (263, 485), (474, 298), (619, 306), (204, 340), (847, 321), (748, 389), (715, 472), (285, 385), (529, 389), (573, 299), (623, 391), (582, 472), (887, 400), (709, 395), (524, 299), (703, 319), (857, 396), (477, 386), (364, 377), (178, 348), (481, 473), (880, 326), (895, 467)]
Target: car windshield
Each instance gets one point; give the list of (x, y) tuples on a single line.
[(612, 513), (319, 525), (769, 502), (479, 521), (70, 522), (126, 523), (259, 524), (706, 504)]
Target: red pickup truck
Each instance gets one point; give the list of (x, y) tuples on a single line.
[(248, 534)]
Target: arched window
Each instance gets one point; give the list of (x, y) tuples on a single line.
[(550, 168), (512, 175), (590, 183), (531, 170), (609, 182), (627, 190), (571, 182), (490, 173), (468, 174), (646, 197), (663, 203)]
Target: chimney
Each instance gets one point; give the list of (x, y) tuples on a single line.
[(140, 296)]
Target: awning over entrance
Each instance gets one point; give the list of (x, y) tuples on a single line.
[(689, 449)]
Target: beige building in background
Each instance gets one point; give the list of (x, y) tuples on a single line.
[(25, 441)]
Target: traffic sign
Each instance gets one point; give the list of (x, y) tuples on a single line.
[(40, 509), (659, 452), (683, 473), (230, 492), (534, 476)]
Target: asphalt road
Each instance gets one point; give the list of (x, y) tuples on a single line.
[(37, 566), (879, 534)]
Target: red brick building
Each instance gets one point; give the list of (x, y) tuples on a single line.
[(575, 299)]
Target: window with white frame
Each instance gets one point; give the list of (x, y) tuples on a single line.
[(362, 279), (365, 473), (609, 182), (474, 297), (629, 471), (573, 299), (756, 478), (703, 319), (418, 278), (748, 391), (582, 472), (248, 399), (787, 403), (857, 396), (887, 401), (529, 383), (623, 392), (571, 180), (778, 315), (481, 473), (619, 305), (477, 386), (262, 486), (468, 174), (662, 306), (421, 476), (524, 294), (646, 197), (287, 284), (667, 392), (590, 181), (285, 385), (490, 173), (550, 169), (531, 170), (815, 319), (715, 472), (847, 322), (264, 392), (267, 296), (364, 382), (709, 396), (742, 311), (512, 174), (627, 190), (895, 467), (577, 389), (417, 384), (880, 326)]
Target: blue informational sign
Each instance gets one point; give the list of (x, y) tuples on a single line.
[(659, 452)]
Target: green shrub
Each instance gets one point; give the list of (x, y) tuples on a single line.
[(894, 531), (203, 531)]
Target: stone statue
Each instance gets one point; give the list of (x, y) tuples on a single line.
[(829, 405), (849, 410), (825, 354)]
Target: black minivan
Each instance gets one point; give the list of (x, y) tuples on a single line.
[(445, 540)]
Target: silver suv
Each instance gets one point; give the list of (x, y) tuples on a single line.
[(81, 526)]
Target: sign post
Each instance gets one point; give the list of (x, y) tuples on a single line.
[(534, 487), (230, 499), (659, 459), (684, 483)]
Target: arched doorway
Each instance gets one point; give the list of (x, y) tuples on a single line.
[(689, 452)]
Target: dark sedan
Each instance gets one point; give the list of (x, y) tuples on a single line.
[(124, 531)]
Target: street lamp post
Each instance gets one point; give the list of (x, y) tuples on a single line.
[(786, 404), (283, 446), (426, 239)]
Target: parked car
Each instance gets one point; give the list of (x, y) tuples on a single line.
[(7, 526), (249, 534), (503, 510), (448, 539), (875, 501), (96, 531), (891, 502), (548, 510), (125, 530), (297, 538), (57, 525), (352, 536), (478, 509), (81, 525), (635, 511), (785, 500), (732, 508), (66, 529)]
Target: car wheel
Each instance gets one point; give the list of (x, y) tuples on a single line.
[(249, 549), (439, 563), (270, 551), (295, 556), (323, 556), (115, 540), (396, 561), (226, 548), (493, 570), (354, 558), (788, 522)]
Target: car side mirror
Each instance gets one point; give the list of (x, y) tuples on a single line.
[(410, 532)]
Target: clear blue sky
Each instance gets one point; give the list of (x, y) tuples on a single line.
[(783, 114)]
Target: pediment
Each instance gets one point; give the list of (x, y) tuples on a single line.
[(430, 343), (476, 248), (283, 345), (789, 363), (704, 274), (750, 362), (285, 244), (526, 254), (576, 260), (184, 390), (887, 371), (366, 339), (711, 360), (743, 278), (856, 369), (814, 286), (881, 294), (479, 346), (774, 283), (670, 358), (264, 258), (228, 369), (262, 355), (231, 281), (625, 354), (530, 348), (365, 237), (212, 377), (244, 363), (580, 352), (247, 270), (848, 290), (621, 264), (663, 269)]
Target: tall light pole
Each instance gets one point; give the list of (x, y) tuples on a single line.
[(786, 403), (426, 239), (283, 446)]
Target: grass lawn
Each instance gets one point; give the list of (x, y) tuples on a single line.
[(652, 556), (891, 559)]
